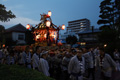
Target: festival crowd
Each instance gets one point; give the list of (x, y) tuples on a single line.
[(65, 63)]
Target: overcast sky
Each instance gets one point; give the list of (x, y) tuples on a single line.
[(28, 11)]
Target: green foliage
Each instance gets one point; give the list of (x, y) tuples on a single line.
[(107, 35), (110, 24), (110, 14), (117, 13), (106, 13), (15, 72), (5, 15), (71, 39), (2, 28)]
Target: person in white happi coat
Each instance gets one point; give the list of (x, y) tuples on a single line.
[(1, 56), (76, 67), (90, 61), (117, 59), (96, 51), (5, 54), (65, 61), (43, 64), (22, 60), (27, 57), (10, 58), (35, 58), (106, 64)]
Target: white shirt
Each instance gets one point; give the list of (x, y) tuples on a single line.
[(35, 60), (44, 67)]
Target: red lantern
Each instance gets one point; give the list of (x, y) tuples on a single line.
[(27, 26), (63, 27), (3, 45)]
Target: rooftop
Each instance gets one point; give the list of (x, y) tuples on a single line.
[(17, 28), (78, 20)]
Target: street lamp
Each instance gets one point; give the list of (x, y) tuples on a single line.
[(105, 45)]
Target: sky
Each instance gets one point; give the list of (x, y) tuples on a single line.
[(28, 11)]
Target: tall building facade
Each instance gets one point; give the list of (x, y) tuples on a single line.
[(78, 25)]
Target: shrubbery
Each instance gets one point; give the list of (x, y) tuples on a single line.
[(16, 72)]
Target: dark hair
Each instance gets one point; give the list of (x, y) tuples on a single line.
[(74, 51), (11, 52), (101, 48), (26, 48), (37, 47)]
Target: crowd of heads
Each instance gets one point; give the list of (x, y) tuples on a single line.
[(60, 52), (54, 56)]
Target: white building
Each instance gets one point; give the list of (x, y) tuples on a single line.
[(16, 34), (74, 27), (78, 25)]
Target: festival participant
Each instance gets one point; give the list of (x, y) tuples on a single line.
[(28, 57), (5, 54), (106, 64), (65, 62), (10, 59), (96, 51), (76, 67), (1, 56), (22, 58), (58, 64), (43, 64), (36, 57), (90, 61), (117, 59)]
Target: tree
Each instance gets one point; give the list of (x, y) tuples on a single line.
[(5, 15), (110, 14), (2, 37), (110, 23), (117, 12), (106, 14), (71, 39), (107, 36), (117, 19)]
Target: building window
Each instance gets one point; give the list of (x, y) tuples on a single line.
[(20, 37)]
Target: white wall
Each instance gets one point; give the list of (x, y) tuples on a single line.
[(15, 35)]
